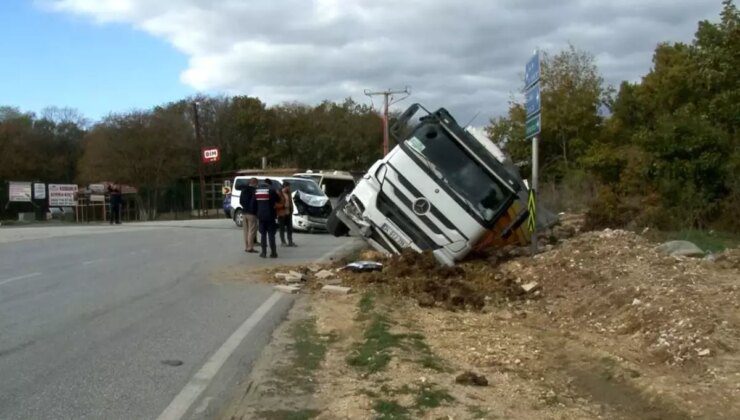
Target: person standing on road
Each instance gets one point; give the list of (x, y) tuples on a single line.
[(249, 214), (285, 215), (115, 205), (266, 198)]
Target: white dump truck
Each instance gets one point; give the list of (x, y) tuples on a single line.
[(441, 189)]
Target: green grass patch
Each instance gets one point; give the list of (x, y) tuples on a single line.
[(366, 303), (430, 396), (390, 410), (373, 354), (288, 414), (309, 347), (707, 240)]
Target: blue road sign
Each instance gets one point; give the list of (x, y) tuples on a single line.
[(532, 70), (532, 100), (533, 126)]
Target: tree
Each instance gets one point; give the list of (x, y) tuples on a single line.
[(572, 95), (148, 150)]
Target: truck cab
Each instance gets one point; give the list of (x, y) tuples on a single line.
[(440, 190)]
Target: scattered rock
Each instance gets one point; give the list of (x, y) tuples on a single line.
[(314, 268), (471, 378), (704, 352), (172, 362), (324, 274), (680, 249), (340, 290), (297, 275), (287, 288), (530, 287), (282, 276)]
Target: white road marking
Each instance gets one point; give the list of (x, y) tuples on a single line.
[(198, 383), (25, 276)]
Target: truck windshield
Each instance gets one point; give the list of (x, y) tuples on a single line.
[(452, 166)]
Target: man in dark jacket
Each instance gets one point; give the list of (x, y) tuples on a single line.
[(265, 198), (115, 205), (249, 211)]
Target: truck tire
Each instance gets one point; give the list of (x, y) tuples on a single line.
[(335, 226), (238, 217)]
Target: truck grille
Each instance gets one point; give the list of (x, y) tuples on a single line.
[(391, 211)]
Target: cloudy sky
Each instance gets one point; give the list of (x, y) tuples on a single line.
[(466, 55)]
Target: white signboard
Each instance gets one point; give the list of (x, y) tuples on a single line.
[(97, 198), (97, 188), (39, 191), (19, 192), (62, 195)]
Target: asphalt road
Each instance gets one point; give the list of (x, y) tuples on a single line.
[(95, 320)]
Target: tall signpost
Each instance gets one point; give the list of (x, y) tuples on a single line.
[(533, 127)]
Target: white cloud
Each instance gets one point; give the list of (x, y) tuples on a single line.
[(467, 56)]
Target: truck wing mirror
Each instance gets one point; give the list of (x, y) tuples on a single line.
[(403, 120)]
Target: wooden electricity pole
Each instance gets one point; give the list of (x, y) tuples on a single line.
[(201, 170)]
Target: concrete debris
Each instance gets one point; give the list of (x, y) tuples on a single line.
[(314, 268), (704, 352), (530, 287), (340, 290), (680, 249), (324, 274), (282, 276), (297, 275), (290, 289)]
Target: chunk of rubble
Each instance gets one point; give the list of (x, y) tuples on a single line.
[(285, 288), (680, 249), (324, 274), (704, 352), (530, 287), (340, 290), (290, 277), (297, 275)]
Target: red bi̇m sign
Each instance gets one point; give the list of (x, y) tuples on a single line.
[(210, 155)]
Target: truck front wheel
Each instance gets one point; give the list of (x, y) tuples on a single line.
[(335, 226)]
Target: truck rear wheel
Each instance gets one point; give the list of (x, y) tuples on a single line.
[(335, 226)]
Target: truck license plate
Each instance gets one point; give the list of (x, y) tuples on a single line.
[(397, 238)]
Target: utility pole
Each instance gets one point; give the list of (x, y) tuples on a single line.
[(201, 174), (387, 102)]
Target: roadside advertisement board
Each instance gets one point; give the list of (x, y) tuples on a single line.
[(19, 192), (210, 155), (62, 195), (39, 191)]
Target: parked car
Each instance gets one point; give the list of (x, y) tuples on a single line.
[(333, 184), (311, 206)]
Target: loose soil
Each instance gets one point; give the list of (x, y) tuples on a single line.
[(609, 328)]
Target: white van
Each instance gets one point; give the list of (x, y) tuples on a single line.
[(333, 184), (311, 206)]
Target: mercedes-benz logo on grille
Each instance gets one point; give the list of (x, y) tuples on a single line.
[(421, 206)]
